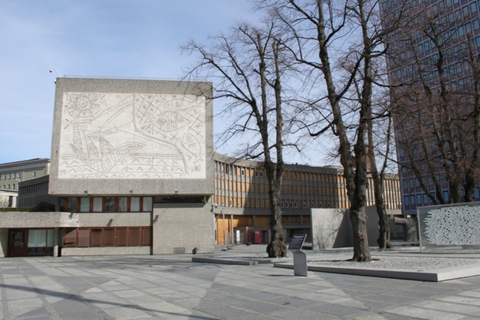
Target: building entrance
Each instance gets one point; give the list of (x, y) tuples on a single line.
[(30, 242), (17, 243)]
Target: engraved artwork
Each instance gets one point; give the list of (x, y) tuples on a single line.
[(453, 226), (132, 136)]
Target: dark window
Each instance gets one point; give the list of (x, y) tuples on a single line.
[(70, 237), (446, 196), (122, 237), (72, 204), (135, 240), (96, 238), (476, 24), (419, 199), (83, 238), (109, 204), (108, 237), (146, 236)]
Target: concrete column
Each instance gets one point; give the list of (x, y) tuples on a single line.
[(231, 229), (56, 235)]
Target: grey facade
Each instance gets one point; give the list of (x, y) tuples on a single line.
[(115, 137), (34, 192)]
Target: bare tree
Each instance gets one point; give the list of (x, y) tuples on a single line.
[(338, 43), (250, 67), (378, 176)]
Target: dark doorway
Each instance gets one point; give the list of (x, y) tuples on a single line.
[(17, 243)]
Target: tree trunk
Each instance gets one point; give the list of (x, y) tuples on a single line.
[(383, 239), (361, 250), (276, 248)]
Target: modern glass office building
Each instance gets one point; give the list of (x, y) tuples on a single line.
[(433, 64)]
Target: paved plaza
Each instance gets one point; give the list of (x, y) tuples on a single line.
[(174, 287)]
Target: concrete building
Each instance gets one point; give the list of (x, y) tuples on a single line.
[(132, 169), (14, 173), (8, 198), (242, 206)]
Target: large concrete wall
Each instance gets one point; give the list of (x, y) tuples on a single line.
[(132, 137), (182, 228), (331, 228)]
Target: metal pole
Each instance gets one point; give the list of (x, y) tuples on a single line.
[(223, 217)]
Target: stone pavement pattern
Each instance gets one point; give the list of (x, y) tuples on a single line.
[(172, 287)]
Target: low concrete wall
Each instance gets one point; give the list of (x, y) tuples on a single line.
[(37, 220), (116, 219), (183, 228), (66, 219), (105, 251)]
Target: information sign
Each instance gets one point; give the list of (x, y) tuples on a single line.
[(297, 242)]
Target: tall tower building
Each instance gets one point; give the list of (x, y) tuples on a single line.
[(434, 75)]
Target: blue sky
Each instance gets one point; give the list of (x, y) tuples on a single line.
[(104, 38)]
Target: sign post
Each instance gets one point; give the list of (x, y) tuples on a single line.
[(299, 257)]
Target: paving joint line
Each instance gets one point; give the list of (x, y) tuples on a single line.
[(51, 310), (6, 314)]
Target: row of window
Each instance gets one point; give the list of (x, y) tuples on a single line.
[(282, 205), (107, 204), (107, 237), (440, 5), (462, 70), (288, 175), (424, 200), (7, 186), (14, 175), (414, 183), (296, 219), (304, 205)]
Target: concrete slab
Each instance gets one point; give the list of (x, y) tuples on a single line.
[(432, 276), (224, 261)]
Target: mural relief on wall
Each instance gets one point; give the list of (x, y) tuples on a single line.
[(132, 136), (458, 225)]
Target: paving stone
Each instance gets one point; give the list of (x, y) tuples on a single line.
[(225, 312), (172, 287), (334, 309), (421, 313), (449, 307)]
